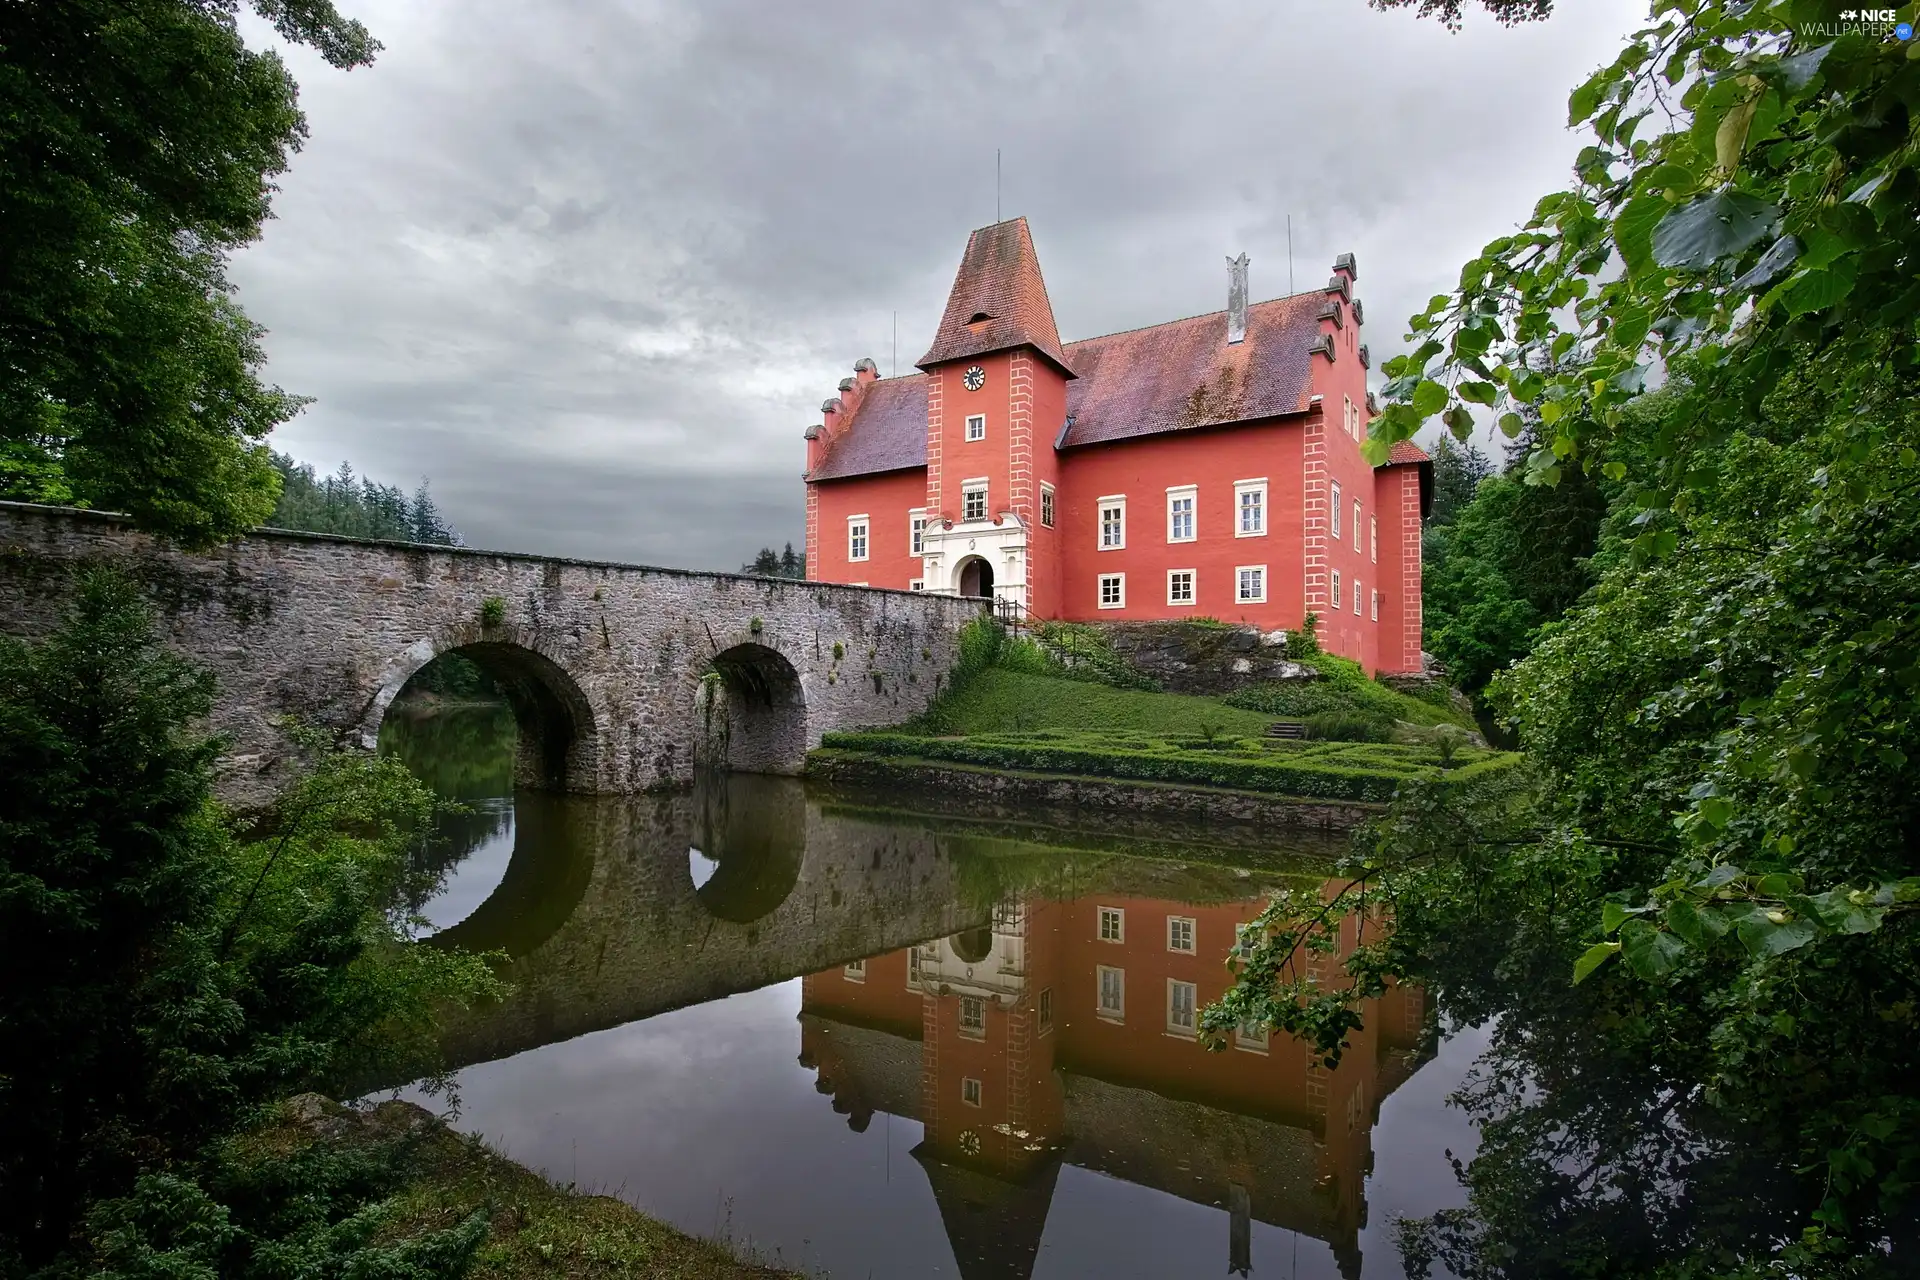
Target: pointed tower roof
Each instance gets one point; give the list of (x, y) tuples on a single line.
[(998, 301)]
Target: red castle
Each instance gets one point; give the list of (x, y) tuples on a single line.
[(1206, 467)]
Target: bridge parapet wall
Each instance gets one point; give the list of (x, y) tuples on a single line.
[(326, 631)]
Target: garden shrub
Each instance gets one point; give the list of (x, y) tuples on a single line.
[(1349, 726)]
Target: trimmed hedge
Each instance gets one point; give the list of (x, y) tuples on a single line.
[(1274, 774)]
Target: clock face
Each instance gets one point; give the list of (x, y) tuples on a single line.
[(976, 378)]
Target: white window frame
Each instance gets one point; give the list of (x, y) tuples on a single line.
[(1334, 508), (1100, 591), (1240, 595), (969, 487), (1356, 525), (1119, 917), (1334, 594), (976, 427), (1193, 588), (1191, 927), (1240, 489), (916, 584), (1043, 1012), (1376, 604), (859, 536), (971, 1091), (1356, 597), (1189, 494), (1047, 505), (1119, 1012), (1373, 537), (1191, 1027), (855, 972), (971, 1032), (1116, 502), (1253, 1041), (913, 968), (916, 531)]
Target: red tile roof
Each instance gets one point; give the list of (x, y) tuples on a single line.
[(1167, 377), (998, 300), (1183, 374), (888, 431), (1403, 451)]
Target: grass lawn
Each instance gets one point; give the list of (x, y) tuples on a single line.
[(999, 701)]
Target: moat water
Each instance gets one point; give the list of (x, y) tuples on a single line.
[(864, 1036)]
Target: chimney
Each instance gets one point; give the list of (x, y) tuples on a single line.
[(1236, 298)]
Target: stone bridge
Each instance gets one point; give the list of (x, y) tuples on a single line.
[(619, 675)]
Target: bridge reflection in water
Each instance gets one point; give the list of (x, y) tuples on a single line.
[(1021, 995)]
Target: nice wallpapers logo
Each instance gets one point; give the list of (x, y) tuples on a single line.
[(1886, 24)]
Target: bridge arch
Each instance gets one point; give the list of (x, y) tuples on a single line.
[(559, 732), (753, 832), (752, 709)]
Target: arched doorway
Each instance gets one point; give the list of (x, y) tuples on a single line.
[(976, 578), (753, 712)]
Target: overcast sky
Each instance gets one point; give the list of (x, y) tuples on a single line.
[(592, 265)]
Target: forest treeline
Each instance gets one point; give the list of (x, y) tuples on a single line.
[(350, 504)]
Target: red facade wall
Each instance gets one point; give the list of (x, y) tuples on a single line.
[(1143, 470), (886, 499)]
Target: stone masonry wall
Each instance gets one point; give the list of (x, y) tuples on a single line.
[(605, 659), (1185, 658)]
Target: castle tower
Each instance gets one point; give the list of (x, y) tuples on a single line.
[(996, 400)]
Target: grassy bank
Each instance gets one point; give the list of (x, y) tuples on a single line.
[(535, 1228)]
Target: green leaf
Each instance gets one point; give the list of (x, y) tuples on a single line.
[(1479, 392), (1512, 425), (1612, 916), (1818, 290), (1763, 936), (1614, 470), (1633, 234), (1711, 228), (1594, 956), (1797, 72), (1458, 421), (1429, 398), (1650, 952)]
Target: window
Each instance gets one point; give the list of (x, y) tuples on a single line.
[(1179, 586), (913, 966), (970, 1091), (1113, 523), (1113, 992), (1043, 1010), (1250, 508), (1356, 597), (1373, 538), (1180, 502), (976, 426), (1113, 590), (1334, 507), (1356, 524), (1335, 595), (916, 584), (973, 500), (1376, 606), (856, 537), (1251, 1036), (856, 972), (1346, 415), (1006, 915), (1180, 934), (916, 532), (1046, 505), (1180, 1004), (1113, 924), (973, 1016), (1252, 585)]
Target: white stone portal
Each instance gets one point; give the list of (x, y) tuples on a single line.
[(999, 545)]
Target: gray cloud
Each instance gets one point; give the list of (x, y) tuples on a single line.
[(592, 266)]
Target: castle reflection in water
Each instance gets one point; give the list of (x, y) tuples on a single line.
[(1064, 1033)]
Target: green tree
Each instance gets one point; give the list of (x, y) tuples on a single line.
[(138, 144), (173, 972), (1458, 470), (352, 505), (768, 563)]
